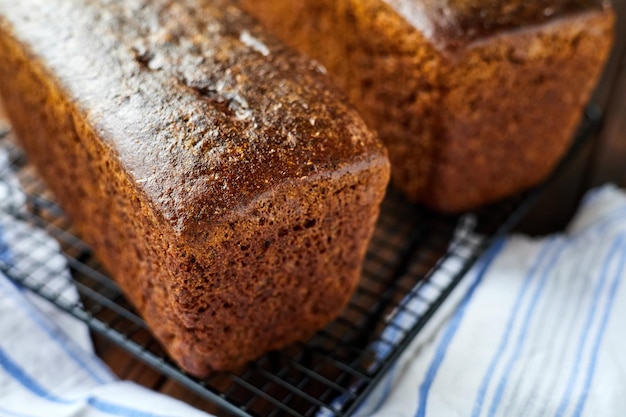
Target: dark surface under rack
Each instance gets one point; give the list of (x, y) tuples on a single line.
[(410, 257)]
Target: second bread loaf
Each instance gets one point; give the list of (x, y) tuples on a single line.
[(475, 99)]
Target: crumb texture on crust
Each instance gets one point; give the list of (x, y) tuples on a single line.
[(230, 236)]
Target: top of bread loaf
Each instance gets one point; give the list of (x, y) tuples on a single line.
[(451, 24), (206, 111)]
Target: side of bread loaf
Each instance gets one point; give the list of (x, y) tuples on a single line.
[(511, 107), (219, 176), (475, 99)]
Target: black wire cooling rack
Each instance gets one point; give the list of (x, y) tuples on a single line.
[(415, 260)]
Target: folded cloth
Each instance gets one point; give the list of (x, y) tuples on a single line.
[(535, 329), (47, 366)]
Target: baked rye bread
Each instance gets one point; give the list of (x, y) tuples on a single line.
[(474, 99), (218, 175)]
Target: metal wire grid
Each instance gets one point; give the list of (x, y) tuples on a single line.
[(413, 263)]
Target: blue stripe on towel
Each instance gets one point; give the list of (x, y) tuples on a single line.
[(586, 328), (4, 249), (92, 367), (453, 326), (565, 317), (19, 375), (524, 329), (605, 319), (484, 385), (115, 409), (35, 388), (30, 384), (26, 381)]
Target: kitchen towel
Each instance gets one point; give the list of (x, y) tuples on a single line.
[(47, 366), (536, 329)]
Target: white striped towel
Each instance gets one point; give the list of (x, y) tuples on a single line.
[(535, 330)]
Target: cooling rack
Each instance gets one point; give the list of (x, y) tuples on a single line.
[(415, 260)]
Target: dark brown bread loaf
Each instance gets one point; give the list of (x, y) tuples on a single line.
[(221, 179), (475, 99)]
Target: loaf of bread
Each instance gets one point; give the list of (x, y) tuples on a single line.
[(474, 99), (219, 176)]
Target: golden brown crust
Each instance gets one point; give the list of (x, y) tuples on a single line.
[(167, 66), (475, 99), (220, 178), (452, 24)]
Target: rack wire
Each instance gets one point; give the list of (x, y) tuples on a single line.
[(415, 260)]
